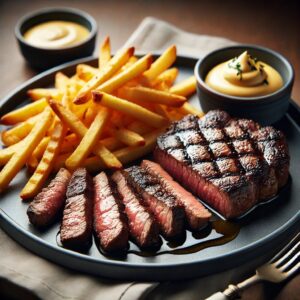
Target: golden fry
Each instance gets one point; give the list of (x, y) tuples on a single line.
[(89, 140), (61, 81), (7, 153), (184, 88), (132, 109), (166, 78), (187, 108), (105, 53), (45, 166), (24, 113), (129, 137), (104, 74), (161, 64), (143, 94), (85, 72), (19, 159), (37, 94), (74, 123), (126, 75)]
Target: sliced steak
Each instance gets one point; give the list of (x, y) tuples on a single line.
[(143, 228), (77, 223), (167, 211), (229, 163), (109, 221), (48, 204), (196, 214)]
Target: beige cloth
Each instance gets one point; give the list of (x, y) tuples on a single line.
[(24, 275)]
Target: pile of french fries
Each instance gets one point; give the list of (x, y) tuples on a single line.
[(98, 118)]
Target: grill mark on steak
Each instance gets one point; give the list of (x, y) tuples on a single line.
[(168, 213), (109, 222), (48, 204), (196, 214), (76, 226), (143, 228), (231, 164)]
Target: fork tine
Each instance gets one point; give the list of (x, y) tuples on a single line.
[(287, 255), (283, 251), (290, 262), (293, 270)]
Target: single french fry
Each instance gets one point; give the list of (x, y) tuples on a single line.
[(74, 123), (18, 132), (25, 112), (19, 159), (89, 116), (185, 87), (132, 109), (143, 94), (89, 141), (104, 74), (44, 168), (165, 79), (7, 153), (85, 72), (187, 108), (126, 75), (129, 137), (160, 65), (139, 127), (61, 81), (37, 94), (104, 53)]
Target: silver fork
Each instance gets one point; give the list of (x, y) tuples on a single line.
[(280, 267)]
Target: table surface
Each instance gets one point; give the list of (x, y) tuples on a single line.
[(274, 24)]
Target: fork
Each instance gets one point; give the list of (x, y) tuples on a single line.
[(280, 267)]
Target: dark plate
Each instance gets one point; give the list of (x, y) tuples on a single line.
[(261, 232)]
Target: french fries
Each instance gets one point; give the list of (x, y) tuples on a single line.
[(132, 109), (104, 74), (100, 117), (89, 140), (45, 166), (143, 94), (24, 113), (19, 158)]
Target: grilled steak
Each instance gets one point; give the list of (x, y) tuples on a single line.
[(143, 229), (164, 206), (48, 204), (109, 222), (229, 163), (77, 223), (196, 214)]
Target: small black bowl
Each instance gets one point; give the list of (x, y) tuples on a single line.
[(43, 58), (265, 109)]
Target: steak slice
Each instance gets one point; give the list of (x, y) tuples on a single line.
[(77, 223), (143, 228), (168, 213), (229, 163), (109, 221), (48, 204), (196, 214)]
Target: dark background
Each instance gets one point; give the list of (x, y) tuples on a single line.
[(274, 24)]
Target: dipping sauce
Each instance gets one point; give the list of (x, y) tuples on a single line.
[(56, 34), (244, 76)]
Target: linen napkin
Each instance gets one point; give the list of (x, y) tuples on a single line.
[(24, 275)]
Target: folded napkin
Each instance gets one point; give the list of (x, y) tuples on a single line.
[(24, 275)]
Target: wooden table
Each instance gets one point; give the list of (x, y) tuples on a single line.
[(275, 25)]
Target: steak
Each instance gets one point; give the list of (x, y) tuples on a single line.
[(109, 222), (77, 223), (229, 163), (48, 204), (143, 228), (168, 212), (196, 214)]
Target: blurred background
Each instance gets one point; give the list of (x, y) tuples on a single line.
[(274, 24)]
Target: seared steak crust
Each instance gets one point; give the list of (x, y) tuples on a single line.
[(143, 228), (48, 204), (109, 222), (229, 163), (76, 227), (167, 211)]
